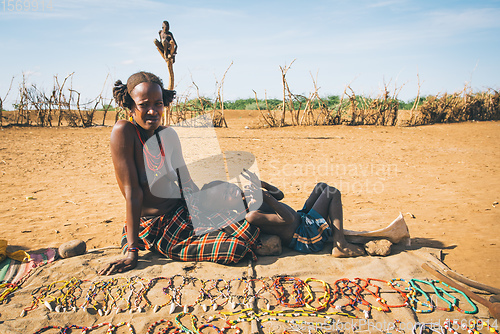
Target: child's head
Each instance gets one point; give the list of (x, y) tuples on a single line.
[(221, 196), (165, 26)]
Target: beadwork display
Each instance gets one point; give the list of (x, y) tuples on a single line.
[(237, 301)]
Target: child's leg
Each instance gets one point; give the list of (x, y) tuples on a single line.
[(318, 189), (329, 205)]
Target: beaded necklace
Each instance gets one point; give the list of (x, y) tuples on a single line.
[(210, 325), (176, 294), (154, 162), (206, 295), (169, 323), (352, 291), (480, 323), (455, 303), (439, 293), (223, 291), (375, 294), (323, 300), (257, 294), (46, 328), (235, 299), (249, 315), (416, 292), (283, 295), (61, 293), (413, 294), (150, 285), (393, 287), (449, 327), (102, 324), (184, 328)]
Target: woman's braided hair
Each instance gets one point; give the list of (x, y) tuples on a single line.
[(121, 91)]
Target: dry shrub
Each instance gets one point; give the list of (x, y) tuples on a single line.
[(35, 107), (459, 107)]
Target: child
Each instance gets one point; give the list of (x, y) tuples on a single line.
[(305, 230)]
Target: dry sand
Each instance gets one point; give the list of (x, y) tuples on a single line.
[(447, 176), (58, 184)]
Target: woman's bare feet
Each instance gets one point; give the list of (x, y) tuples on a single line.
[(347, 250)]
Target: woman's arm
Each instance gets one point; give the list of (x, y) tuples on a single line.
[(122, 152)]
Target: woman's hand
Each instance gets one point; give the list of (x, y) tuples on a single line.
[(119, 266)]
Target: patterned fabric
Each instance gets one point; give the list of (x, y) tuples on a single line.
[(205, 221), (12, 271), (312, 233), (173, 236)]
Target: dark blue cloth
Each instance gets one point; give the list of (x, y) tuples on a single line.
[(312, 233)]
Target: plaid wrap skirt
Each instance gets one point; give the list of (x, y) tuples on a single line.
[(172, 235)]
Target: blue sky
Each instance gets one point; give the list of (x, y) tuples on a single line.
[(362, 43)]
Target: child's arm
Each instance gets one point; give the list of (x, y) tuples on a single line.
[(278, 194)]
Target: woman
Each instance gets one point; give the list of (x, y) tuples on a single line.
[(159, 220)]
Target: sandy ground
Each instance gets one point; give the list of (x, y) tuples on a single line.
[(58, 184)]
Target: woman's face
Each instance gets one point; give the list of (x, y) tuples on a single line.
[(148, 106)]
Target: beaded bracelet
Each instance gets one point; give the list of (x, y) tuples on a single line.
[(133, 249)]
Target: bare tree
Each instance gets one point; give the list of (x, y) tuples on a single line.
[(219, 119), (286, 89), (5, 98)]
